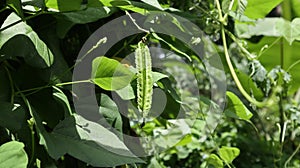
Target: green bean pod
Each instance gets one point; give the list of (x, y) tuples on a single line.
[(144, 78)]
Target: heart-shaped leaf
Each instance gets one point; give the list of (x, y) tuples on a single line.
[(27, 42), (228, 154), (110, 74), (12, 155)]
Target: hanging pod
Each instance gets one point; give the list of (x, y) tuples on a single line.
[(144, 78)]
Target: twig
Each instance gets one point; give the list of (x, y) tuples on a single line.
[(134, 22), (291, 157)]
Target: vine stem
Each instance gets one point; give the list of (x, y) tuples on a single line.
[(11, 85), (59, 84), (134, 22), (249, 55), (221, 19), (229, 9), (291, 157), (231, 68), (234, 76)]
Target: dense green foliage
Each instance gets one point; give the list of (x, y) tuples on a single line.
[(258, 45)]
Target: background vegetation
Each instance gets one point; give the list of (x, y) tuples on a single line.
[(257, 42)]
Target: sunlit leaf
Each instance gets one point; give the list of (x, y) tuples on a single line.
[(154, 3), (87, 15), (12, 155), (109, 74), (63, 100), (215, 161), (228, 154), (16, 5), (110, 112), (258, 9), (274, 27), (235, 108), (64, 5), (95, 144), (27, 42)]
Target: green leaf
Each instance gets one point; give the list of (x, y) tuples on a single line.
[(172, 135), (109, 74), (63, 100), (12, 155), (155, 164), (63, 26), (275, 27), (235, 108), (94, 144), (16, 5), (154, 3), (295, 4), (64, 5), (215, 161), (86, 16), (5, 87), (12, 116), (259, 9), (249, 85), (185, 140), (84, 140), (241, 6), (60, 65), (290, 30), (27, 42), (238, 7), (172, 46), (34, 3), (134, 6), (49, 108), (138, 7), (110, 112), (228, 154), (156, 76), (126, 93), (266, 27), (271, 57)]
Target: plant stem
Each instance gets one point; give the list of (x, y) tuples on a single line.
[(291, 157), (101, 41), (293, 65), (286, 10), (230, 66), (3, 9), (229, 9), (59, 84), (11, 85), (73, 82), (234, 76), (134, 22), (221, 19), (285, 46), (285, 55), (32, 144), (282, 120), (243, 49), (19, 21)]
